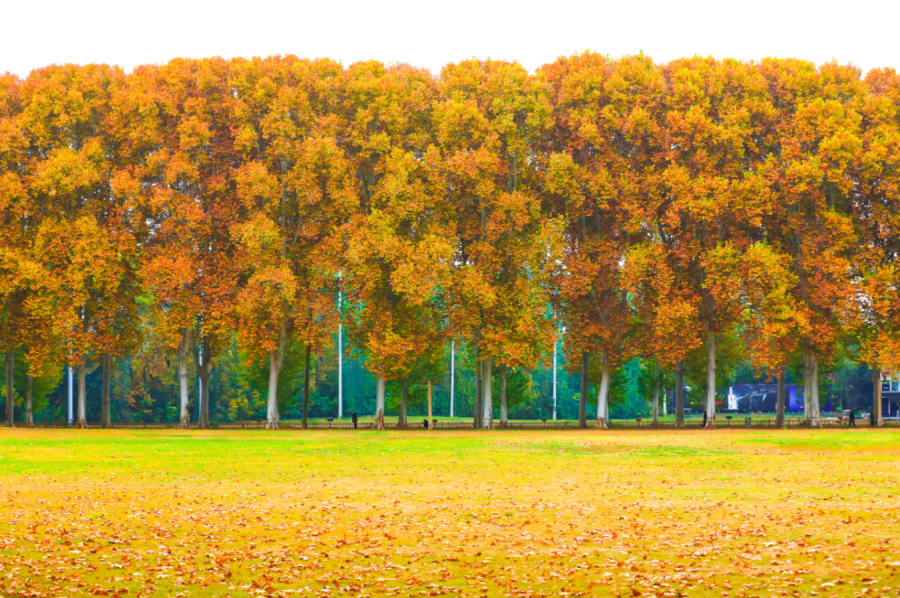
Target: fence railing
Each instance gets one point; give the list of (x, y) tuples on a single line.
[(736, 421)]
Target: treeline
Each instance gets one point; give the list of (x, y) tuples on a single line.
[(683, 213)]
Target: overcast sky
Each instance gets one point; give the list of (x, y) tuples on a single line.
[(36, 33)]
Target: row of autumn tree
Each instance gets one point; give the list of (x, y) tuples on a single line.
[(649, 209)]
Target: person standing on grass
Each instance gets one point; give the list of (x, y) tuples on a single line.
[(852, 418), (355, 419), (704, 418)]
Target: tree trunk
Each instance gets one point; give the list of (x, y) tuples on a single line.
[(306, 388), (10, 392), (711, 345), (203, 370), (779, 414), (679, 395), (430, 419), (184, 352), (504, 411), (656, 402), (379, 402), (29, 404), (106, 363), (665, 397), (488, 407), (276, 360), (479, 384), (582, 402), (876, 403), (603, 395), (81, 417), (272, 397), (812, 383), (404, 401)]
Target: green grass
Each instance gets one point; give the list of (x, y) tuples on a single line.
[(730, 512)]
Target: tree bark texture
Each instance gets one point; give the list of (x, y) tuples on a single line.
[(29, 400), (81, 417), (488, 407), (106, 363), (404, 402), (582, 401), (10, 392), (603, 395), (306, 388), (184, 354), (379, 402), (679, 395), (779, 406), (504, 411), (711, 346)]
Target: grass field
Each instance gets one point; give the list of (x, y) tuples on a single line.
[(696, 513)]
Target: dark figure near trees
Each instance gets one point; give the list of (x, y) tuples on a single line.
[(425, 423), (704, 419), (853, 418), (355, 419)]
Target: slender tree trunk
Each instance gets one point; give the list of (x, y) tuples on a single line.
[(81, 417), (876, 405), (812, 382), (488, 407), (711, 345), (276, 360), (504, 412), (806, 389), (379, 402), (679, 395), (665, 398), (479, 382), (404, 401), (656, 402), (582, 402), (106, 363), (306, 388), (184, 352), (603, 395), (430, 419), (203, 371), (10, 392), (29, 403), (779, 415), (272, 397)]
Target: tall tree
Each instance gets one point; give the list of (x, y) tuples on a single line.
[(811, 147), (188, 175), (604, 140), (397, 245), (491, 113), (297, 187), (875, 308)]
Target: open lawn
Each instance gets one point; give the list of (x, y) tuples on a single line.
[(503, 513)]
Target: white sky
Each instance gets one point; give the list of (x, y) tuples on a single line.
[(430, 34)]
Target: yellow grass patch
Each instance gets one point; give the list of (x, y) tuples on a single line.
[(590, 513)]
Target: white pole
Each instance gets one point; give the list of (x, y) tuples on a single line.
[(340, 356), (70, 394), (452, 374), (554, 379)]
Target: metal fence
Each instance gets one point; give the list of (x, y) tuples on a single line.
[(738, 421)]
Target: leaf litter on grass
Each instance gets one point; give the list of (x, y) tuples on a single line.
[(693, 514)]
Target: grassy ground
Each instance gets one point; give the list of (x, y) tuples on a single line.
[(697, 513)]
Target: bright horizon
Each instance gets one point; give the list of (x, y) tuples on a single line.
[(532, 33)]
